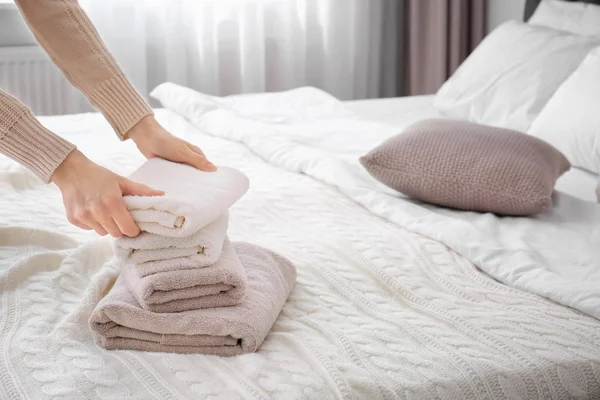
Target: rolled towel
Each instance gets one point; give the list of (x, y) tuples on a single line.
[(118, 321), (177, 289), (155, 253), (192, 200)]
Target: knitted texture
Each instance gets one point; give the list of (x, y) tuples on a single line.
[(28, 142), (378, 312), (72, 42), (469, 166), (598, 192)]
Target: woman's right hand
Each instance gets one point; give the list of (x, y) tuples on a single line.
[(93, 196)]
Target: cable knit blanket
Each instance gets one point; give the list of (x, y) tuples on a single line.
[(378, 312)]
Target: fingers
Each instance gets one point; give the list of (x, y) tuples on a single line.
[(94, 200), (83, 219), (124, 221), (102, 215), (114, 217), (110, 226), (130, 188), (106, 215), (81, 225), (177, 150), (112, 213), (197, 150), (197, 159), (98, 228)]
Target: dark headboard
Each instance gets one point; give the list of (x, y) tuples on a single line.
[(531, 5)]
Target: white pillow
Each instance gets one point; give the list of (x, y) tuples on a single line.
[(512, 74), (571, 119), (576, 17)]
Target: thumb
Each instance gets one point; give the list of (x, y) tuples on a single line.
[(131, 188)]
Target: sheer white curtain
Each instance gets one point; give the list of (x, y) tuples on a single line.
[(238, 46)]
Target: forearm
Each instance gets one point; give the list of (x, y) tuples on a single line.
[(26, 141), (70, 39)]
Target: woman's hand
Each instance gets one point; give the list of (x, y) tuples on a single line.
[(154, 141), (93, 196)]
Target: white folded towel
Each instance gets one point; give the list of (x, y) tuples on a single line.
[(155, 253), (193, 198)]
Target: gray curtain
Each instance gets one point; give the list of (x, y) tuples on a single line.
[(435, 37)]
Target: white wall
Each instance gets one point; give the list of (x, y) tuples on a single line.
[(500, 11)]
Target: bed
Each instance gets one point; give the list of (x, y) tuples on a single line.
[(384, 306), (378, 312)]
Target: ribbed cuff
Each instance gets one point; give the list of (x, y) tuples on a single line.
[(35, 147), (120, 103)]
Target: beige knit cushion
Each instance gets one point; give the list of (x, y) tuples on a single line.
[(469, 166)]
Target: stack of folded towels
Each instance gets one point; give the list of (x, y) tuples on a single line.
[(184, 287)]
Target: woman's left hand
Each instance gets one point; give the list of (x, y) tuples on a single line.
[(155, 141)]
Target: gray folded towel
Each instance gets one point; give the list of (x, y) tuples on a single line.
[(118, 321), (177, 288)]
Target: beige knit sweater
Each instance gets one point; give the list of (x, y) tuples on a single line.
[(69, 37)]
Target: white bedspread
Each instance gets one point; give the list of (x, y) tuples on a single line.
[(379, 312), (555, 254)]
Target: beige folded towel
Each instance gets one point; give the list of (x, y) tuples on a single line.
[(118, 322), (156, 253), (180, 289)]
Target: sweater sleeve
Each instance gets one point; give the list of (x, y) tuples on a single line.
[(26, 141), (72, 42)]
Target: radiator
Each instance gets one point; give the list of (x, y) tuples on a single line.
[(28, 73)]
